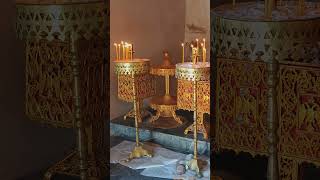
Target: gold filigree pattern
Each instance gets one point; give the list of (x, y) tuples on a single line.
[(295, 41), (289, 168), (185, 96), (49, 83), (193, 72), (299, 110), (136, 66), (242, 106), (145, 86), (84, 20)]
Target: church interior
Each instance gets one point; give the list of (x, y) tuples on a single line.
[(160, 89)]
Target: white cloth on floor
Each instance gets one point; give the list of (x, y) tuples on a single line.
[(162, 156), (169, 171)]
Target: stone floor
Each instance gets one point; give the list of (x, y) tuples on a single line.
[(229, 166)]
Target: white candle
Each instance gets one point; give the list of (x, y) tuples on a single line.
[(117, 57), (131, 49), (203, 52), (182, 52), (123, 50), (197, 46), (119, 51)]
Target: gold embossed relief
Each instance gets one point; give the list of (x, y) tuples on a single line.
[(145, 86), (185, 96), (49, 81), (242, 106), (299, 110), (295, 41), (203, 94)]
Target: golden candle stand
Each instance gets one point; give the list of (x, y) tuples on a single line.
[(136, 71), (65, 57), (194, 73), (166, 105)]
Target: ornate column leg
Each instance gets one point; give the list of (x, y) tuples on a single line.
[(193, 164), (175, 117), (288, 169), (272, 120), (202, 128), (138, 151)]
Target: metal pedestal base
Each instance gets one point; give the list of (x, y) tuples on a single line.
[(70, 167), (165, 106)]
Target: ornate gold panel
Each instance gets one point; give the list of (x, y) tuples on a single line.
[(145, 87), (242, 106), (185, 96), (49, 83), (299, 111)]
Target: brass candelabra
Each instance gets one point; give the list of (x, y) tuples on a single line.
[(194, 72), (125, 51), (135, 73)]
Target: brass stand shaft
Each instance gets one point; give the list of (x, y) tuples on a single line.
[(195, 119), (136, 109)]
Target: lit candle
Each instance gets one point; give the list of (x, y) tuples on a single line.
[(197, 46), (126, 50), (117, 57), (119, 51), (182, 52), (204, 52), (123, 50), (204, 42), (131, 50), (193, 54)]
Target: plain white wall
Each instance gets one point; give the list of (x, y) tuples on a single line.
[(152, 26)]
